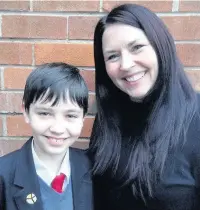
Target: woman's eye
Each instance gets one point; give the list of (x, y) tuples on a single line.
[(137, 47), (113, 57)]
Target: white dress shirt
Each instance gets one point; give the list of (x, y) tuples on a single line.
[(46, 174)]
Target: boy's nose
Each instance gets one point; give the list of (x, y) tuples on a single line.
[(57, 128)]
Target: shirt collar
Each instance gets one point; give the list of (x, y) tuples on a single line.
[(45, 173)]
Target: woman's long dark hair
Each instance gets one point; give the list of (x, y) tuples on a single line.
[(171, 107)]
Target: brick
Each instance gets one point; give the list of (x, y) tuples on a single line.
[(182, 28), (89, 77), (87, 127), (14, 101), (189, 54), (189, 6), (15, 53), (75, 54), (15, 78), (21, 5), (16, 126), (72, 6), (194, 77), (154, 5), (3, 106), (1, 127), (81, 144), (11, 102), (0, 80), (21, 26), (7, 146), (92, 105), (76, 29)]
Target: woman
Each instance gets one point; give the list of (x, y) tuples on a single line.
[(146, 137)]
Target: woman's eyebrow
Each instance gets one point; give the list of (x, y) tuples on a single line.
[(132, 42), (109, 51)]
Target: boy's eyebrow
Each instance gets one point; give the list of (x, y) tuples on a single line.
[(74, 110), (43, 108), (52, 109)]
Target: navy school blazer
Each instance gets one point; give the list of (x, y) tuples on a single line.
[(19, 181)]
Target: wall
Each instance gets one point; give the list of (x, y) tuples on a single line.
[(34, 32)]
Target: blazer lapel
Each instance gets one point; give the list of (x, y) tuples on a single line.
[(81, 181), (26, 191)]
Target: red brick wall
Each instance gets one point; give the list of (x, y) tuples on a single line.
[(33, 32)]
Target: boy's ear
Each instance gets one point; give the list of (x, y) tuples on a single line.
[(84, 116), (26, 115), (83, 119)]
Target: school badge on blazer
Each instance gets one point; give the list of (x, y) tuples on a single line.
[(31, 198)]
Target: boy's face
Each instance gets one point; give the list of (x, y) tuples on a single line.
[(55, 128)]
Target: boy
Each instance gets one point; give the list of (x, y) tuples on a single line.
[(45, 174)]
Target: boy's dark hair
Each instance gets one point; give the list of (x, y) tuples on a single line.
[(55, 81)]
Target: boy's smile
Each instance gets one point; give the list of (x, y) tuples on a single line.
[(55, 141), (55, 128)]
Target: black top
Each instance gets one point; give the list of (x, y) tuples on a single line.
[(178, 189)]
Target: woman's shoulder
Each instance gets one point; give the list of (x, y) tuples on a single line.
[(192, 144)]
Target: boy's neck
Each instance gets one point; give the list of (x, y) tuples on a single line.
[(53, 162)]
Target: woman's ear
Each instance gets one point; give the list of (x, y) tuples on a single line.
[(25, 113)]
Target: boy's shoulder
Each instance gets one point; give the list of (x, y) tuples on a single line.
[(8, 161), (10, 156), (80, 156), (11, 160), (79, 152)]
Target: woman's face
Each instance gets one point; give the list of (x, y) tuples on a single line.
[(131, 62)]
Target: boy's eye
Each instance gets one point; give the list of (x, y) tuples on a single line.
[(72, 116), (43, 113)]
